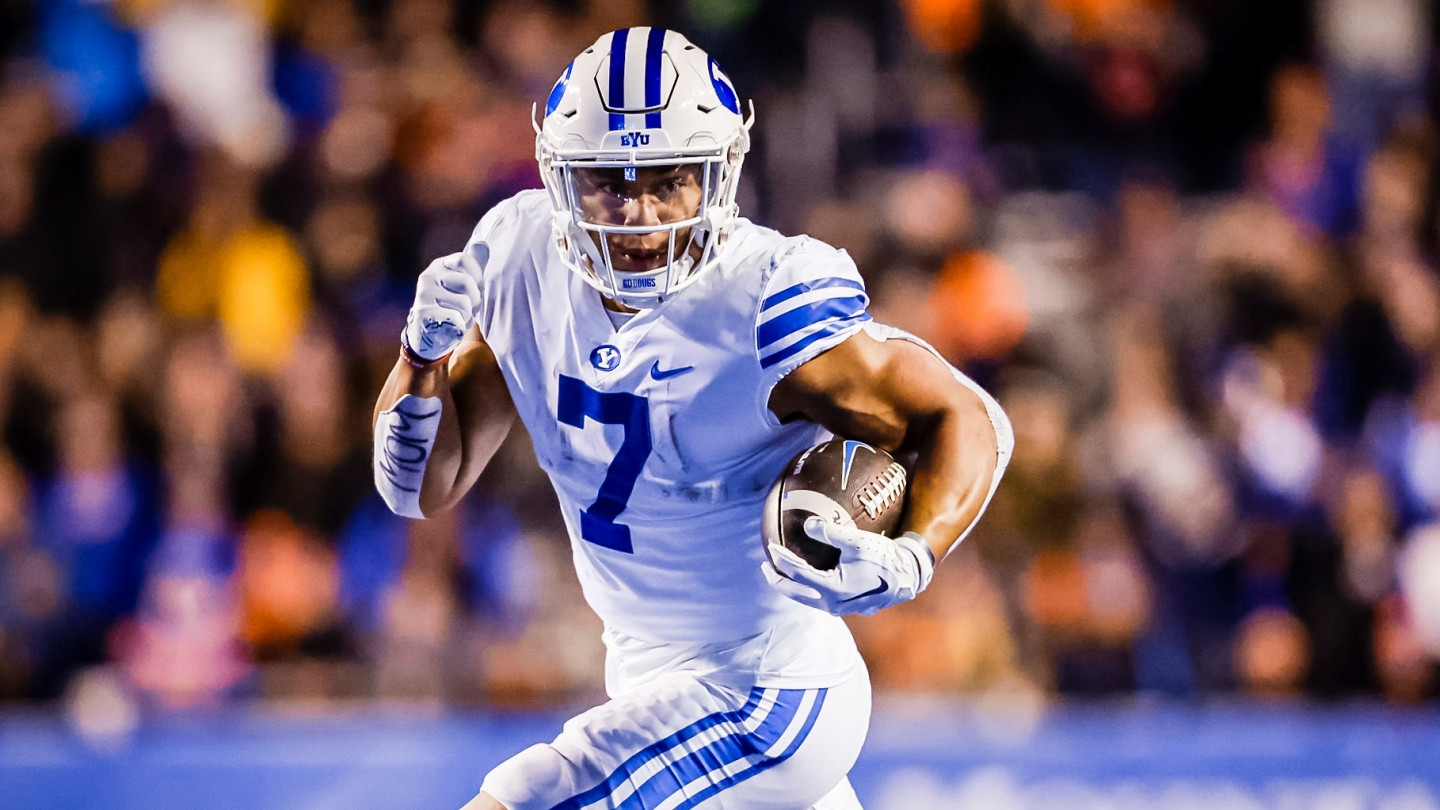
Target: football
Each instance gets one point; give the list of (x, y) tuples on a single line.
[(843, 481)]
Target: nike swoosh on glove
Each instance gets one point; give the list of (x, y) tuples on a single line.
[(874, 573), (447, 297)]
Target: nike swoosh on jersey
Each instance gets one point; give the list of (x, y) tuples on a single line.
[(881, 588), (657, 374)]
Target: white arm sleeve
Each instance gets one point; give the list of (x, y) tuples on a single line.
[(1004, 443), (404, 437), (1004, 433)]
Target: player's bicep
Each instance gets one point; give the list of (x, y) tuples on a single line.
[(483, 405), (863, 388)]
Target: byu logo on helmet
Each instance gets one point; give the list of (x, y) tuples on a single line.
[(634, 139), (637, 284), (558, 92), (724, 88), (605, 357)]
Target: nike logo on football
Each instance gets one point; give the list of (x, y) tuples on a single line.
[(881, 588), (657, 374)]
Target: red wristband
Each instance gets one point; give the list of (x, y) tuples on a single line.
[(420, 362)]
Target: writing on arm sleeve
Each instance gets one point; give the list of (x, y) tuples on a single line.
[(812, 301)]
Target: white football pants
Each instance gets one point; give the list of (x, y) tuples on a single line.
[(684, 742)]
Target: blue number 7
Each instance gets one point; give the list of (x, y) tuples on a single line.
[(577, 401)]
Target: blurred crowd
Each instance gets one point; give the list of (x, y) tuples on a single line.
[(1190, 245)]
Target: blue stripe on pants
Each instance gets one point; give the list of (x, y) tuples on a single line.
[(709, 759), (763, 765), (622, 774)]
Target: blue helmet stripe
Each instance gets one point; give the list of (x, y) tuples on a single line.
[(654, 48), (617, 78)]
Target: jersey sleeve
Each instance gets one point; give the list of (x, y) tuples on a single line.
[(813, 300), (501, 243), (496, 232)]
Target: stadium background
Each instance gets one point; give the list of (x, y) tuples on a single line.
[(1190, 244)]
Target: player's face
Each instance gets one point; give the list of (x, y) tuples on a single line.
[(639, 197)]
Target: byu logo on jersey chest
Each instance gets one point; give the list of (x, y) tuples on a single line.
[(634, 139), (605, 357)]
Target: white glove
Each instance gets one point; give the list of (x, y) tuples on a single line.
[(875, 571), (447, 297)]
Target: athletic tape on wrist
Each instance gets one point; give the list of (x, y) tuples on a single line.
[(404, 437), (924, 556)]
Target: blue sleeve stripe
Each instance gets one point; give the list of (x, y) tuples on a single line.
[(654, 48), (784, 325), (806, 286), (831, 329)]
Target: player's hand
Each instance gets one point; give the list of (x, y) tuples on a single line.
[(447, 297), (875, 571)]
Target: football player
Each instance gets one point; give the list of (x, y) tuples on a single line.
[(668, 357)]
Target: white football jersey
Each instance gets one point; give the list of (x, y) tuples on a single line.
[(657, 433)]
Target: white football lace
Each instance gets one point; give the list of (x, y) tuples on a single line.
[(882, 491)]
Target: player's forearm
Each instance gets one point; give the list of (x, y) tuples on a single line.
[(951, 481), (472, 414), (420, 441)]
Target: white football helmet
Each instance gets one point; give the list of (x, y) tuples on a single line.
[(642, 98)]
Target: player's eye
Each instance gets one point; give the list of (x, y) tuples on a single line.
[(615, 189), (673, 186)]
